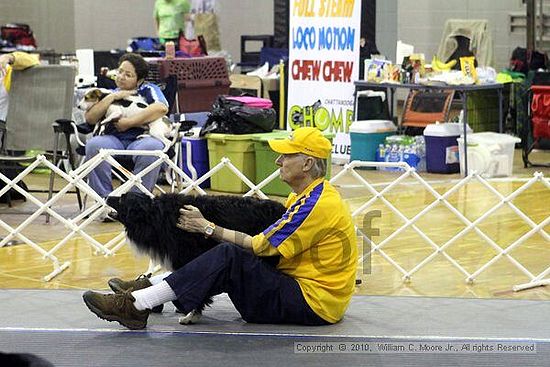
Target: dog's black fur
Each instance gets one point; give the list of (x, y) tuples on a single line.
[(151, 223)]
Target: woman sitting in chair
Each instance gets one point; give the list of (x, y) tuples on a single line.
[(130, 80)]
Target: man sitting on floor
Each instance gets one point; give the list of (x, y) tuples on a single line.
[(311, 285)]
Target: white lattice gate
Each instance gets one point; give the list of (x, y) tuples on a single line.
[(77, 224)]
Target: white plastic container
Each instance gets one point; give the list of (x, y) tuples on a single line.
[(489, 154)]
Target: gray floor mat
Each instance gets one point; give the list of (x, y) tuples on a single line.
[(57, 326)]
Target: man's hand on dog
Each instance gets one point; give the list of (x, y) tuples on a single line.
[(191, 219)]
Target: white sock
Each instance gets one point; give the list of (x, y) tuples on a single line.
[(156, 279), (152, 296)]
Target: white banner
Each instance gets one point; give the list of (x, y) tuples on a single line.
[(323, 64)]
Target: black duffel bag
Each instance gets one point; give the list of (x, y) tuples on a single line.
[(229, 116)]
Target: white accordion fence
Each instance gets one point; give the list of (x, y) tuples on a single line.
[(76, 226)]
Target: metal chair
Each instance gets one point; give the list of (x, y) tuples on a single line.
[(424, 107), (245, 84)]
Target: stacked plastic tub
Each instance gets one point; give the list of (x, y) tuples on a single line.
[(371, 126), (251, 154), (265, 163), (366, 136), (240, 151), (489, 154)]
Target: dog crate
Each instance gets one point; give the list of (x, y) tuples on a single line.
[(200, 80)]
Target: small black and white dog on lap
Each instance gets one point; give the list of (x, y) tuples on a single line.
[(129, 106)]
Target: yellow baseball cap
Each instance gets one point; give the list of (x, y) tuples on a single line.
[(307, 140)]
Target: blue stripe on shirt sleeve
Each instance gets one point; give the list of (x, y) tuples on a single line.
[(300, 211), (152, 93)]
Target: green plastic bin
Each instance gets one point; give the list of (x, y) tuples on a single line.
[(265, 162), (251, 154), (240, 150)]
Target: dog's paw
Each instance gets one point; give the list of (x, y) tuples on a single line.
[(191, 318)]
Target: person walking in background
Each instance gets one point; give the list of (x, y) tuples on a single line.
[(170, 17)]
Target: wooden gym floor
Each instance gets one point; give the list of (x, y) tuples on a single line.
[(22, 267)]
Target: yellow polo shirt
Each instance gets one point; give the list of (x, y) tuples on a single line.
[(317, 243)]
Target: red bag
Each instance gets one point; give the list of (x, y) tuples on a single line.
[(18, 34), (540, 111), (541, 127), (194, 48), (541, 105)]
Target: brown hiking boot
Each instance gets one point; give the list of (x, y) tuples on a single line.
[(120, 286), (116, 307)]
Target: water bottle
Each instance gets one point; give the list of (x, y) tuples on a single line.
[(411, 156), (421, 152), (170, 48), (394, 155), (380, 153)]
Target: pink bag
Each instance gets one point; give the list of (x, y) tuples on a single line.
[(254, 102)]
